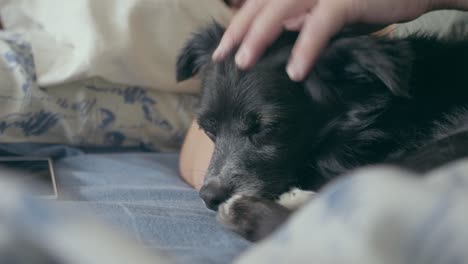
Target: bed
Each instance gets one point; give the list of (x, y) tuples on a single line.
[(114, 133)]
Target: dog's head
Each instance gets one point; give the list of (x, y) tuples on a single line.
[(264, 125)]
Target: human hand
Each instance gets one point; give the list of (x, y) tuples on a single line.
[(259, 22)]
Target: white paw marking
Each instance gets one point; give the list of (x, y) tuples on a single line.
[(295, 198), (224, 209)]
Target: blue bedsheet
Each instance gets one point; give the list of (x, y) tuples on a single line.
[(142, 195), (374, 215)]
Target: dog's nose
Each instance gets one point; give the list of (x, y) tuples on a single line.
[(213, 194)]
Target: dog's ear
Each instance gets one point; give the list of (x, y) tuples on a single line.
[(198, 50), (355, 66)]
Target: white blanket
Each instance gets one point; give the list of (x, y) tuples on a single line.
[(133, 42)]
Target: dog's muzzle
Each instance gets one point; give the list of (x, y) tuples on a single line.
[(214, 194)]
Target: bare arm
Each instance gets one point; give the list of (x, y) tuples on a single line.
[(195, 156)]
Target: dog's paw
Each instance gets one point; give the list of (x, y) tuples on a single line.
[(252, 217), (295, 198)]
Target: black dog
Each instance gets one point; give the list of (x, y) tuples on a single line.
[(367, 100)]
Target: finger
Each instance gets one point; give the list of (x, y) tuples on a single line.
[(321, 24), (296, 23), (238, 28), (266, 27)]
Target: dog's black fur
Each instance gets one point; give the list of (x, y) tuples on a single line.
[(367, 100)]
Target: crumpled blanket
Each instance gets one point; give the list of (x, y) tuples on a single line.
[(133, 42), (374, 215), (378, 215)]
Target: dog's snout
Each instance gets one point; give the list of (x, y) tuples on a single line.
[(214, 194)]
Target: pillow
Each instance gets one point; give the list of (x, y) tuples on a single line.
[(90, 112)]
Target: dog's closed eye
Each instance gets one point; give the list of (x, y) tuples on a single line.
[(209, 126), (252, 124), (211, 135), (264, 134), (256, 129)]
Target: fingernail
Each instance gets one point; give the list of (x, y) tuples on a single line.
[(218, 54), (221, 51), (242, 57), (294, 71)]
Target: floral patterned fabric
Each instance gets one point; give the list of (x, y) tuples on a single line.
[(91, 112)]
